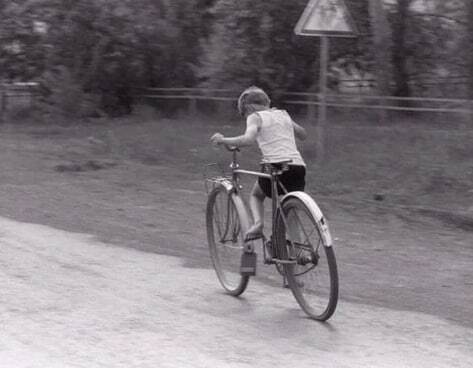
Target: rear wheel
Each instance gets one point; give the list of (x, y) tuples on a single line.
[(227, 223), (313, 276)]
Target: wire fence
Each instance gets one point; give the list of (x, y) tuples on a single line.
[(311, 100), (373, 102), (17, 96), (221, 101)]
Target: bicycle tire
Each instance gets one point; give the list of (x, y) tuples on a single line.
[(313, 277), (226, 227)]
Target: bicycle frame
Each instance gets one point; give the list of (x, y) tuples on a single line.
[(291, 248), (275, 200)]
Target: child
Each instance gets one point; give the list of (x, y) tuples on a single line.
[(275, 133)]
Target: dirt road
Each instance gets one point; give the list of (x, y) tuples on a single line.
[(69, 300), (139, 290)]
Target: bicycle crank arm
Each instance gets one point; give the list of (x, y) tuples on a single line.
[(283, 261)]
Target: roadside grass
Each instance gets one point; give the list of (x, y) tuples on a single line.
[(407, 162)]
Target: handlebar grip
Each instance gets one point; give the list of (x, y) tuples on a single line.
[(232, 148)]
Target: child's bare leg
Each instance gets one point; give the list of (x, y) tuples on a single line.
[(257, 210)]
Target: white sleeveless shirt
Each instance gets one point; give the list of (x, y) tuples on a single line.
[(276, 138)]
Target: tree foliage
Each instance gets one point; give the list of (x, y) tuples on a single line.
[(427, 37), (94, 52), (101, 49), (254, 43)]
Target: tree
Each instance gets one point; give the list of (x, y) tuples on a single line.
[(98, 50), (400, 51), (254, 43), (470, 48), (381, 35), (21, 56), (426, 43)]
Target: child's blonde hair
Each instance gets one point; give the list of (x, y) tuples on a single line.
[(252, 99)]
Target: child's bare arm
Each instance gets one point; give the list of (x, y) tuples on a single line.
[(299, 131), (248, 138)]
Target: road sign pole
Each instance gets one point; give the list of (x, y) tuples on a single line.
[(324, 61), (324, 19)]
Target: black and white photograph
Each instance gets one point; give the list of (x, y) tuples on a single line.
[(236, 183)]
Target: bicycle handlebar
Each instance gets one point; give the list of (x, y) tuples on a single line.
[(232, 148)]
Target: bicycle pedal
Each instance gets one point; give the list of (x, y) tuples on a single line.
[(248, 264)]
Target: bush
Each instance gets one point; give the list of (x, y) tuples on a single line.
[(62, 94)]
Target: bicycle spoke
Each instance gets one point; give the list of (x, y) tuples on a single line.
[(305, 271), (313, 277), (225, 238), (307, 236)]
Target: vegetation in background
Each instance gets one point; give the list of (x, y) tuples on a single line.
[(89, 55)]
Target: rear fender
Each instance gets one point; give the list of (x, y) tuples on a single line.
[(315, 211)]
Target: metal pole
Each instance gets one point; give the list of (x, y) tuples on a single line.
[(381, 38), (324, 60)]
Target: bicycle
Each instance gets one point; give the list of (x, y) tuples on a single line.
[(300, 245)]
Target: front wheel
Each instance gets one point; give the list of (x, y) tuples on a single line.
[(312, 275), (227, 222)]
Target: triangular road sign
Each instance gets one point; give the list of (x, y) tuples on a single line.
[(326, 18)]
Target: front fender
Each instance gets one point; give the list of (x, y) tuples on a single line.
[(226, 183), (243, 215), (315, 211)]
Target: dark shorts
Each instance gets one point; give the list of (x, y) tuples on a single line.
[(292, 179)]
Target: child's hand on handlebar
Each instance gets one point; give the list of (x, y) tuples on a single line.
[(217, 138)]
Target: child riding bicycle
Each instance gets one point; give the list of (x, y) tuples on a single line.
[(274, 131)]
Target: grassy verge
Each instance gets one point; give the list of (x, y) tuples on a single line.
[(404, 163), (407, 162)]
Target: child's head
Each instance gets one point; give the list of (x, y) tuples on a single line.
[(251, 100)]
